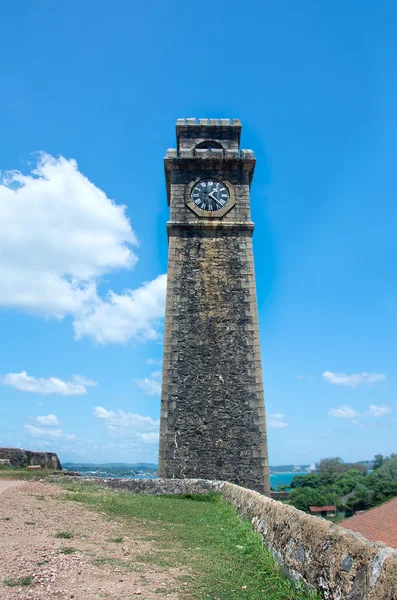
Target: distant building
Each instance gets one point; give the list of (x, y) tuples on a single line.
[(378, 524), (323, 511)]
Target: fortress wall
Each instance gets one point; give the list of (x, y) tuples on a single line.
[(24, 458), (341, 564)]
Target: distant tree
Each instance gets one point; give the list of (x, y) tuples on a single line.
[(383, 481), (346, 482), (346, 485), (332, 465), (303, 498), (283, 487), (360, 499), (360, 467), (309, 480), (378, 461)]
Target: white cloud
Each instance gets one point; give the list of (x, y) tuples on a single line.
[(151, 385), (276, 421), (149, 438), (49, 431), (49, 420), (26, 383), (353, 380), (59, 234), (378, 411), (133, 314), (343, 412), (84, 381), (153, 361), (38, 432), (120, 424)]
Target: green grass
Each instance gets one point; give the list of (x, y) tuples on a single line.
[(67, 550), (14, 473), (219, 554), (19, 581), (116, 540), (65, 535)]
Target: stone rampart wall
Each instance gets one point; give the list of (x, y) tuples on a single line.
[(24, 458), (341, 564)]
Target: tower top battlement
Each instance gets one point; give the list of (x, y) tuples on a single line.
[(212, 122), (215, 134), (207, 144)]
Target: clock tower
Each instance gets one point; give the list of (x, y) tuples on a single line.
[(212, 404)]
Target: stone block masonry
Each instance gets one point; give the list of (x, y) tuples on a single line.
[(212, 409), (213, 386), (24, 458), (339, 564)]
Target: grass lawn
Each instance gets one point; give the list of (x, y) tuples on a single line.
[(14, 473), (220, 555)]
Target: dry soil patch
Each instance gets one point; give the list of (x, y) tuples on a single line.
[(4, 485), (31, 513)]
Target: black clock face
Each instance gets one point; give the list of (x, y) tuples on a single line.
[(210, 195)]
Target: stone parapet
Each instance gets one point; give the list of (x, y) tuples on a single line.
[(340, 564), (154, 487)]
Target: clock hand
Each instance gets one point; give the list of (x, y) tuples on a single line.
[(213, 197), (215, 200)]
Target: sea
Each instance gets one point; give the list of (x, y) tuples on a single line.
[(277, 479)]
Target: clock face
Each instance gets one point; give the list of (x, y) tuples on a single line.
[(210, 195)]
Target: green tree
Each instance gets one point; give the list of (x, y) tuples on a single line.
[(332, 465), (283, 487), (303, 498), (383, 481), (378, 461), (361, 499), (348, 481), (360, 467), (309, 480)]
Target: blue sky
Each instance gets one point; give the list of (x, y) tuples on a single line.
[(90, 93)]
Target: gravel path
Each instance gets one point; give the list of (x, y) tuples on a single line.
[(31, 513), (4, 485)]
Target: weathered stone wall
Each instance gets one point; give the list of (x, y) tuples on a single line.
[(212, 413), (340, 564), (154, 487), (280, 495), (212, 390), (24, 458)]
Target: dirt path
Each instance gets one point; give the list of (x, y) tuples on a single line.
[(31, 513), (4, 485)]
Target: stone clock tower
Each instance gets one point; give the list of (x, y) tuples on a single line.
[(212, 405)]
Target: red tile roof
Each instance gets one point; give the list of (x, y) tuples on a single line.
[(322, 508), (378, 524)]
